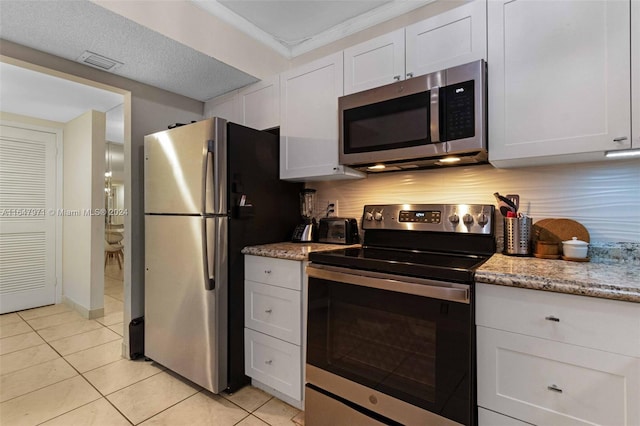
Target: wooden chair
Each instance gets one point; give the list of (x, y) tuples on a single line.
[(113, 247)]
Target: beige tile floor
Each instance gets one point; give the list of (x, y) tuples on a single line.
[(57, 368)]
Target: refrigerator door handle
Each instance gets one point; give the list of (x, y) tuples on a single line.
[(208, 187), (208, 253)]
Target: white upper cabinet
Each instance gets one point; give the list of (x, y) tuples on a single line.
[(259, 104), (224, 106), (374, 63), (559, 80), (452, 38), (309, 121)]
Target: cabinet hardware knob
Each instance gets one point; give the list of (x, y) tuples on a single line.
[(268, 311), (409, 74), (267, 271), (620, 139), (552, 318), (396, 77), (269, 363), (554, 388)]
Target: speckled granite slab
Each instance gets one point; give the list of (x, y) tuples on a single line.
[(291, 251), (610, 281)]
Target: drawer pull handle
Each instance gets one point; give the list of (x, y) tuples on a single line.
[(620, 139), (268, 311), (267, 271), (552, 318), (270, 361), (554, 388)]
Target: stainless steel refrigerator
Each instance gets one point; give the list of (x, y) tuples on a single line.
[(211, 188)]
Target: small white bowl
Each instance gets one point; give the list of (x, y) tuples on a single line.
[(575, 248)]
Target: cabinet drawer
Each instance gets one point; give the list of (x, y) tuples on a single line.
[(275, 311), (609, 325), (545, 382), (491, 418), (278, 272), (273, 362)]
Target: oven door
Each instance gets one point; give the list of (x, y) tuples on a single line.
[(398, 347)]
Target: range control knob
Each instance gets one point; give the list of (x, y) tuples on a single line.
[(454, 218), (378, 216), (368, 216), (483, 219), (467, 219)]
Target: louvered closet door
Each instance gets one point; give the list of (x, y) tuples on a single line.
[(27, 218)]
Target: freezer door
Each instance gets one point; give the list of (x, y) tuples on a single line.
[(185, 323), (185, 169)]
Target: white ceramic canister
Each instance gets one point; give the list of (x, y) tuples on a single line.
[(575, 248)]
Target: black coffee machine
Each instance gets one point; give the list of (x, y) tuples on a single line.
[(307, 231)]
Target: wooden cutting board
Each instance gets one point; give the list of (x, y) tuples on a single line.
[(558, 230)]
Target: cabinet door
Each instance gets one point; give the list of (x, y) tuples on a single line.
[(374, 63), (273, 362), (309, 121), (259, 104), (273, 311), (224, 106), (452, 38), (491, 418), (552, 383), (559, 79)]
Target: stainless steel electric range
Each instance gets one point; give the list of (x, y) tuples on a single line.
[(391, 331)]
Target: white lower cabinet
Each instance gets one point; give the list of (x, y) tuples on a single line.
[(491, 418), (274, 334), (533, 375), (273, 362)]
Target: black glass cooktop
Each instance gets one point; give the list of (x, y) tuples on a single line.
[(422, 264)]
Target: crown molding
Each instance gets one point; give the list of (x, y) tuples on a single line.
[(344, 29)]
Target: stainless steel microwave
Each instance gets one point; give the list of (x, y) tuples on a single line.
[(432, 120)]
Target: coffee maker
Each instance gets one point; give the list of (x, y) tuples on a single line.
[(307, 231)]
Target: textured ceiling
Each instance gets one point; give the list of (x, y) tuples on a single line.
[(68, 28)]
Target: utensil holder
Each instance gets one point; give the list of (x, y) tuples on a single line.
[(517, 236)]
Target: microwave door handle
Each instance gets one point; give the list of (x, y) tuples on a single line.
[(434, 103)]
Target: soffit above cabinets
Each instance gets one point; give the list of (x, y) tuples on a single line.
[(69, 28)]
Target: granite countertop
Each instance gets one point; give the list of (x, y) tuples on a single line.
[(605, 280), (291, 251)]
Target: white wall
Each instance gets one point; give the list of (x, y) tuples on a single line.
[(83, 235), (603, 196)]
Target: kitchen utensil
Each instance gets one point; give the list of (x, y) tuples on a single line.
[(517, 236), (515, 199), (574, 248), (505, 205)]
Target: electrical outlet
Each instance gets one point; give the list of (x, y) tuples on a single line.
[(331, 205)]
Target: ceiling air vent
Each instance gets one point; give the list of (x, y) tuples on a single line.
[(99, 61)]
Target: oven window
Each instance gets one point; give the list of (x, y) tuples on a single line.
[(410, 347), (395, 123)]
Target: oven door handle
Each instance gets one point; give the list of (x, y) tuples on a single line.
[(409, 285)]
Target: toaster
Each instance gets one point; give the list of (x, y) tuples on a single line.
[(338, 230)]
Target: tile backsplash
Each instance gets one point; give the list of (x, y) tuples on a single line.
[(603, 196)]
